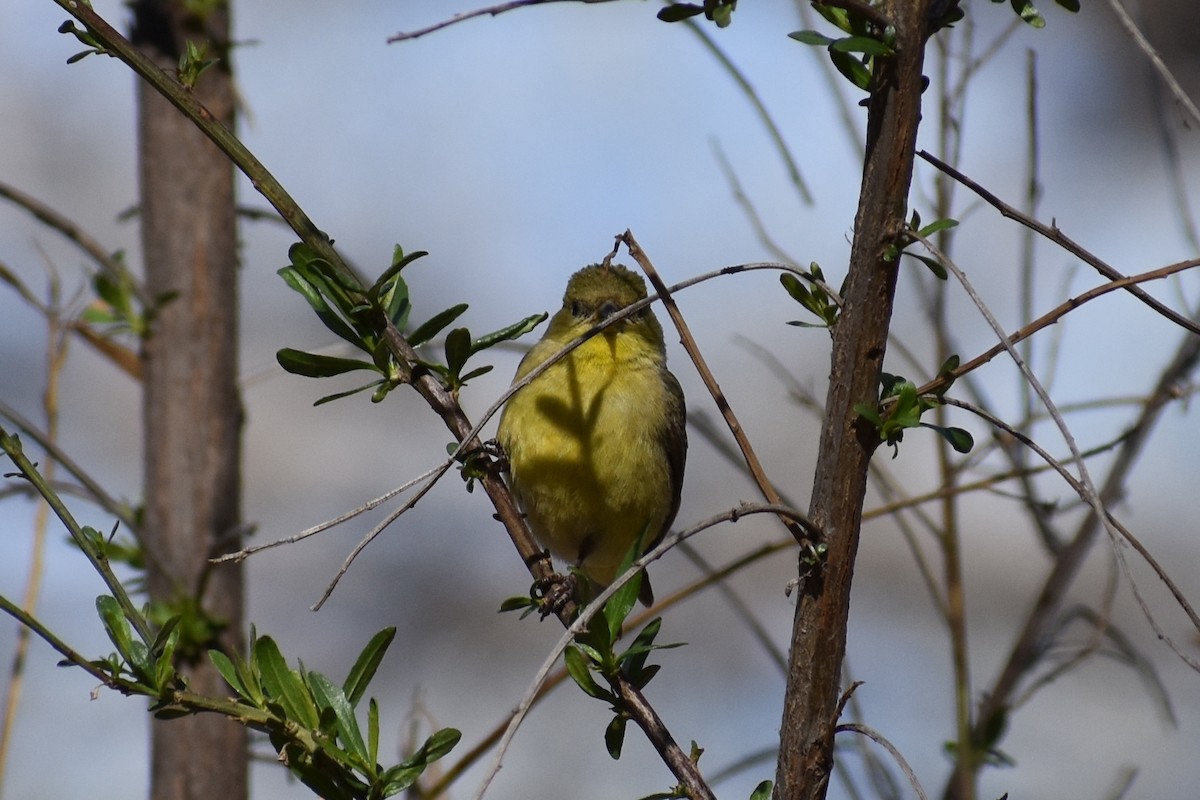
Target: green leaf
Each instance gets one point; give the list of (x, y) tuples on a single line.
[(869, 413), (949, 365), (327, 695), (851, 68), (284, 685), (815, 299), (313, 365), (959, 439), (475, 373), (838, 16), (614, 735), (906, 412), (811, 37), (935, 266), (134, 652), (679, 11), (861, 44), (437, 746), (164, 654), (394, 301), (329, 398), (522, 603), (435, 325), (402, 776), (635, 656), (1028, 13), (365, 665), (508, 333), (937, 225), (579, 668), (292, 277), (390, 278), (229, 672), (372, 731), (617, 609), (458, 350), (762, 791), (796, 288)]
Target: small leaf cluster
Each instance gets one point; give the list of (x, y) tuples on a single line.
[(86, 37), (146, 665), (594, 650), (1026, 11), (904, 407), (113, 550), (984, 743), (360, 316), (852, 55), (762, 791), (310, 721), (193, 62), (118, 306), (460, 346), (313, 724), (815, 297), (906, 239), (718, 11), (477, 462)]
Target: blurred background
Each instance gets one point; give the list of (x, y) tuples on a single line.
[(513, 148)]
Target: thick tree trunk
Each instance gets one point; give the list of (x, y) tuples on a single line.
[(847, 442), (192, 408)]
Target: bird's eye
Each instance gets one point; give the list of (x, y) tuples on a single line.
[(577, 309)]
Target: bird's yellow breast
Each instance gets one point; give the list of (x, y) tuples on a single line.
[(585, 450)]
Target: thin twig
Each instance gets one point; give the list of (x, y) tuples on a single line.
[(764, 115), (56, 358), (11, 445), (1053, 316), (499, 8), (689, 344), (94, 490), (715, 578), (1055, 235), (875, 736), (848, 113), (585, 615), (742, 199), (1116, 530), (378, 529), (245, 552), (739, 607), (74, 234), (1163, 71)]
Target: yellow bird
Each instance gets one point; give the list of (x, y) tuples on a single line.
[(596, 444)]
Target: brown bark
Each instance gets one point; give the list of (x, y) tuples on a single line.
[(847, 443), (192, 408)]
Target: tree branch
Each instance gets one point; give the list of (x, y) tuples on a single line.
[(1055, 235)]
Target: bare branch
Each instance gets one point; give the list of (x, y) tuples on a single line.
[(801, 535), (495, 10), (1053, 316), (875, 736), (626, 691), (1055, 235), (1163, 71)]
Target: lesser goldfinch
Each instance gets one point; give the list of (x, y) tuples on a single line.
[(596, 444)]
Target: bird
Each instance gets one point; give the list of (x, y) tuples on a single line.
[(596, 445)]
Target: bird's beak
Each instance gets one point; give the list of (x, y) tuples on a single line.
[(607, 309)]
